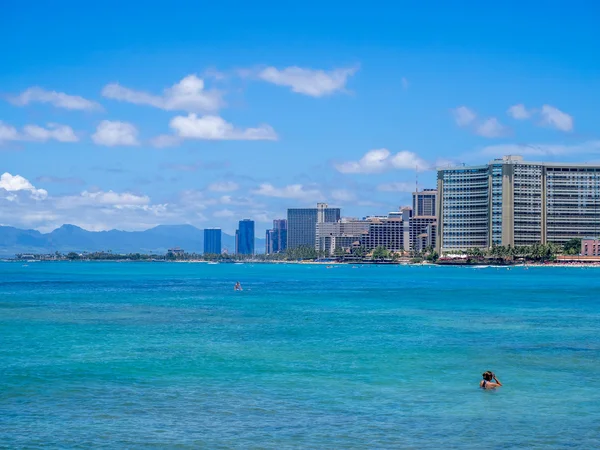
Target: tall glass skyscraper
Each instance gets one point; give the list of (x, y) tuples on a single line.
[(302, 224), (212, 241), (245, 237), (276, 239)]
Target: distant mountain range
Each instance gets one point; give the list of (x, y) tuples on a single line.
[(72, 238)]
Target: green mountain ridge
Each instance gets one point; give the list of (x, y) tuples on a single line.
[(69, 238)]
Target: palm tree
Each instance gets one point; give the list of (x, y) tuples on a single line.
[(339, 252), (380, 253)]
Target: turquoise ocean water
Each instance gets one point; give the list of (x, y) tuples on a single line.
[(136, 355)]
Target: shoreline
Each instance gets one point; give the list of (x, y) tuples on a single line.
[(326, 263)]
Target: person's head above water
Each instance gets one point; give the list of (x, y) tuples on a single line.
[(489, 380), (488, 376)]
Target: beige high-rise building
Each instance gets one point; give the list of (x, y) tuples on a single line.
[(514, 202), (424, 202), (345, 234), (423, 223)]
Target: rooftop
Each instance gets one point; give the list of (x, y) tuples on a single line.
[(517, 159)]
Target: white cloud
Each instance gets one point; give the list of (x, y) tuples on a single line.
[(262, 216), (343, 195), (399, 186), (15, 183), (8, 133), (463, 116), (550, 115), (188, 95), (93, 210), (215, 128), (223, 186), (239, 201), (373, 161), (165, 140), (113, 133), (541, 150), (61, 133), (115, 198), (380, 160), (519, 112), (408, 160), (316, 83), (491, 128), (57, 99), (555, 118), (103, 198), (214, 74), (195, 199), (294, 191), (224, 213)]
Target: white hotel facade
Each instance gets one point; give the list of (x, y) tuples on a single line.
[(513, 202)]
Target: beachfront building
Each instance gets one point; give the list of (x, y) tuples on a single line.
[(212, 241), (424, 203), (276, 238), (391, 231), (422, 232), (399, 231), (244, 237), (513, 202), (385, 232), (423, 223), (590, 247), (344, 234), (302, 224)]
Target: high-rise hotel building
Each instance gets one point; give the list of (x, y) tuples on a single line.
[(302, 224), (424, 202), (423, 223), (514, 202), (276, 238), (244, 237), (212, 241)]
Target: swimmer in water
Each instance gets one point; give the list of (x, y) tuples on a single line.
[(489, 381), (237, 287)]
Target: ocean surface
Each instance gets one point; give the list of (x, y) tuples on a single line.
[(164, 355)]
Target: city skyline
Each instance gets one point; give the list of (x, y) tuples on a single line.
[(174, 123)]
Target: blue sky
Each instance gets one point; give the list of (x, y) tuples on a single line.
[(132, 115)]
